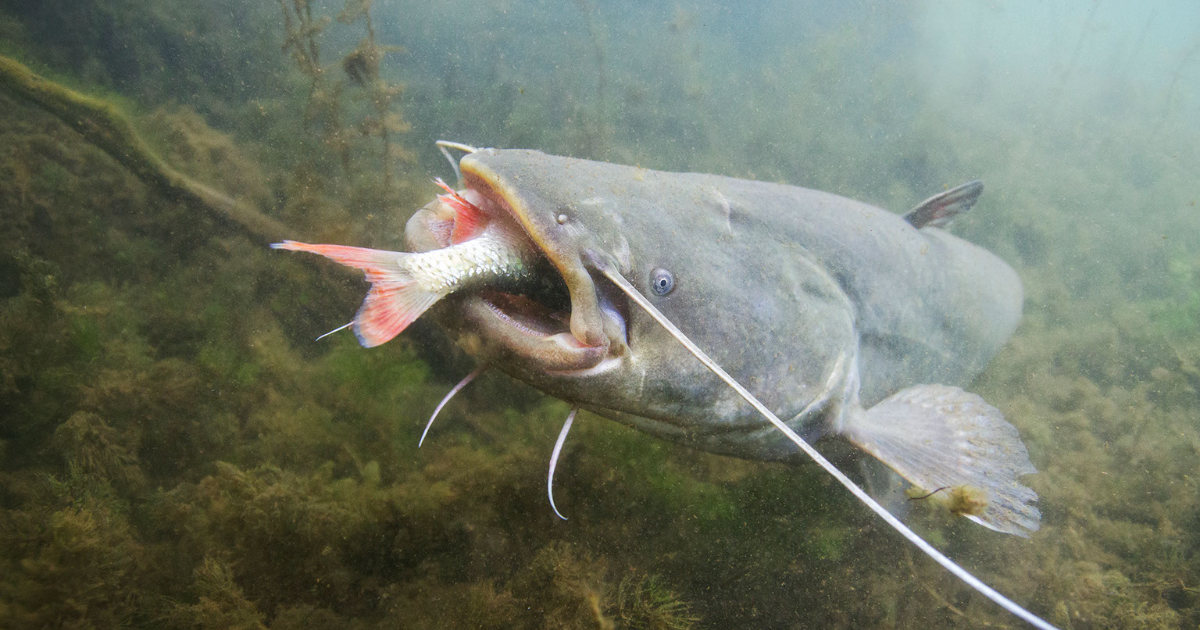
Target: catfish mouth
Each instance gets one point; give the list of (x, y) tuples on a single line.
[(542, 314), (535, 323)]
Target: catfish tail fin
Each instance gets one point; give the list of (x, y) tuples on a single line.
[(395, 300), (951, 443)]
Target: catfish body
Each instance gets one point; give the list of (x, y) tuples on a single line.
[(735, 316), (811, 300)]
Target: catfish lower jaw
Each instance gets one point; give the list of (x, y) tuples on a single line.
[(534, 336), (495, 330)]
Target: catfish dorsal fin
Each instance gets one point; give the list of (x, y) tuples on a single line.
[(640, 300), (939, 210)]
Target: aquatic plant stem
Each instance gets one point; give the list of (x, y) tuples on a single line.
[(102, 125), (929, 550)]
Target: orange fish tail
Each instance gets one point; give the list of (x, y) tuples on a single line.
[(395, 299)]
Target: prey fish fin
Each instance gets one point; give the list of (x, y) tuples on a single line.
[(469, 220), (943, 438), (940, 209), (395, 299), (388, 309)]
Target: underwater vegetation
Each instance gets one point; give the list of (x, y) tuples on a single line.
[(176, 451)]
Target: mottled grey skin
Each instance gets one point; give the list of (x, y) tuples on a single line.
[(814, 302)]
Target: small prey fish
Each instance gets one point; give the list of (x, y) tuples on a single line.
[(481, 251)]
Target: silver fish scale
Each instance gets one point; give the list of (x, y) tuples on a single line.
[(479, 260)]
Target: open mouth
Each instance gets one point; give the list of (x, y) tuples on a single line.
[(533, 316), (555, 316)]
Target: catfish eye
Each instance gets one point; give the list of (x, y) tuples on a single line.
[(661, 281)]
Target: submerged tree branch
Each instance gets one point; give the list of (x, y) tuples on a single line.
[(105, 127)]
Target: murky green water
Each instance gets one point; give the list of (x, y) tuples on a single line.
[(176, 451)]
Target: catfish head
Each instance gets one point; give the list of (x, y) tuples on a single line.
[(780, 326)]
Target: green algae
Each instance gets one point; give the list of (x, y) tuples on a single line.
[(220, 602)]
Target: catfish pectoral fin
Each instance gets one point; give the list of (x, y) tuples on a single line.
[(942, 438)]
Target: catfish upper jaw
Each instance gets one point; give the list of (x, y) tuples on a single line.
[(593, 320)]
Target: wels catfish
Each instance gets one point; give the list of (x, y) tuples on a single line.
[(744, 318)]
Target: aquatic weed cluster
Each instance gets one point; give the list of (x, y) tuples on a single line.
[(179, 461), (176, 452)]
